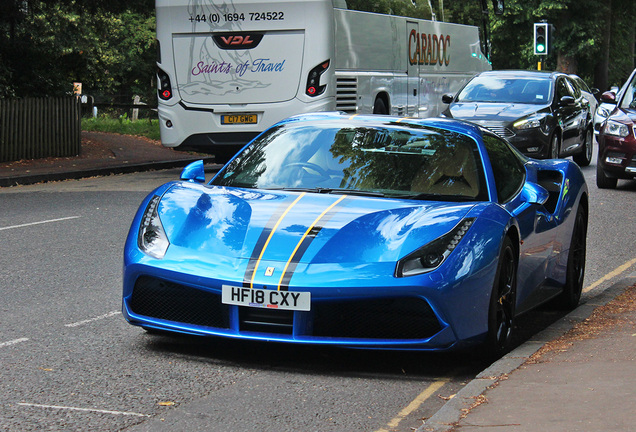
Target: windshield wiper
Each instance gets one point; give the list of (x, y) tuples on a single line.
[(331, 190), (350, 192), (437, 197)]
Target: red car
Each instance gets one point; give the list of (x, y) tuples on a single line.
[(617, 139)]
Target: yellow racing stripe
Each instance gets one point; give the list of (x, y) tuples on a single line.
[(305, 235), (271, 234)]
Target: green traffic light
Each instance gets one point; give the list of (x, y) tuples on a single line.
[(540, 48)]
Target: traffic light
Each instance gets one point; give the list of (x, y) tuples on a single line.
[(498, 6), (541, 38)]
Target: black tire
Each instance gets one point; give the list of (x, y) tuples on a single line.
[(555, 146), (584, 158), (379, 107), (575, 272), (501, 313), (602, 180)]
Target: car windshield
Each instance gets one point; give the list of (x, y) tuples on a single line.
[(629, 94), (387, 159), (487, 88)]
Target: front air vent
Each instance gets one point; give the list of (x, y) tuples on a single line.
[(500, 130), (266, 320)]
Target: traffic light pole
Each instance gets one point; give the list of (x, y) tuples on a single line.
[(486, 24)]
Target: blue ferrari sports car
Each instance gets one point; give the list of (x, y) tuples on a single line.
[(360, 231)]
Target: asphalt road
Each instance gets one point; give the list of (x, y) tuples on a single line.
[(68, 360)]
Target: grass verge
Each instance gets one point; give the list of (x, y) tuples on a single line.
[(145, 127)]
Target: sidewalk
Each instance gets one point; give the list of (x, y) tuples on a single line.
[(101, 154), (578, 375)]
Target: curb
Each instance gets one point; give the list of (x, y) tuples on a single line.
[(23, 180), (451, 413)]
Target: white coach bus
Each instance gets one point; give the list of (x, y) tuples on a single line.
[(228, 69)]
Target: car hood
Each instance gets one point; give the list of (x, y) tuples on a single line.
[(312, 227), (624, 115), (487, 111)]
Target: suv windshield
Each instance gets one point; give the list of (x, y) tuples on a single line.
[(487, 88), (387, 159), (629, 95)]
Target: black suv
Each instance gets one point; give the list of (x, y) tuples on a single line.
[(543, 114)]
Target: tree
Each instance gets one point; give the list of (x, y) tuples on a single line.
[(108, 46), (592, 38)]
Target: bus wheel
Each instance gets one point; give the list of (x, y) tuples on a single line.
[(379, 107)]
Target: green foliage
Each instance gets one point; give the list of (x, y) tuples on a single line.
[(54, 44), (123, 125), (576, 43), (109, 45)]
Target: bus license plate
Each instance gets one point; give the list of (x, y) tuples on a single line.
[(272, 299), (238, 119)]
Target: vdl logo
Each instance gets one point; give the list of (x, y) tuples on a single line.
[(236, 41)]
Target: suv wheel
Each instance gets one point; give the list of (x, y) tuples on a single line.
[(602, 180)]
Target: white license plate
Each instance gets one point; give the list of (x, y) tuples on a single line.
[(271, 299)]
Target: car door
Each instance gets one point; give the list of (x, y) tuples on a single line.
[(536, 225), (583, 105), (568, 114)]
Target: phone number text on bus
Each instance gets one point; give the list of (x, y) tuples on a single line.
[(234, 17)]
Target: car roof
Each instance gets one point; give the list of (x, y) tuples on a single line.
[(522, 73)]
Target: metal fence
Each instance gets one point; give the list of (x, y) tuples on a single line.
[(33, 128)]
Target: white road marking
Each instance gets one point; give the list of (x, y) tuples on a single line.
[(90, 320), (415, 404), (610, 275), (13, 342), (84, 409), (38, 223)]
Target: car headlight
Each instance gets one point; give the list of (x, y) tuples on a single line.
[(528, 123), (616, 129), (152, 238), (431, 256)]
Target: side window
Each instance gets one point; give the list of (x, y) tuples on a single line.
[(562, 89), (574, 88), (507, 167)]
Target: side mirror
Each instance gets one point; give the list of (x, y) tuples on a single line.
[(566, 100), (533, 193), (448, 98), (194, 172), (608, 97)]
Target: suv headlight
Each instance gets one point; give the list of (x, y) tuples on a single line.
[(614, 128), (431, 256), (152, 238)]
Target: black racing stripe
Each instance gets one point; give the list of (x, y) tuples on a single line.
[(260, 243), (284, 284)]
